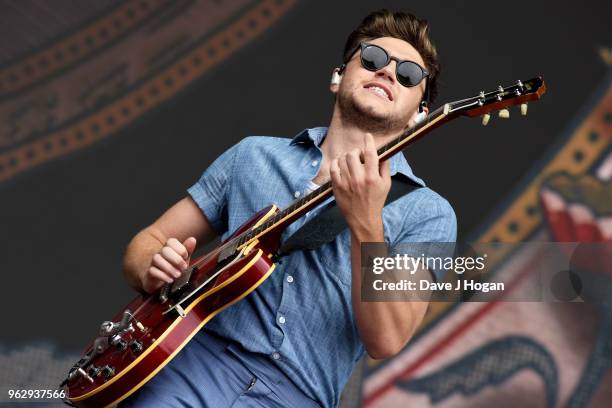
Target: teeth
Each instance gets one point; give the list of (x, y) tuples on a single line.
[(378, 91)]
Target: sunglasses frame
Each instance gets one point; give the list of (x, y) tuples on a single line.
[(424, 73)]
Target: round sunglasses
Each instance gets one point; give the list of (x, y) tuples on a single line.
[(374, 57)]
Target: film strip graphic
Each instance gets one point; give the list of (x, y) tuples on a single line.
[(176, 44), (28, 71)]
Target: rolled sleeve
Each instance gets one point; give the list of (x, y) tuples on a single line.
[(430, 230), (211, 191)]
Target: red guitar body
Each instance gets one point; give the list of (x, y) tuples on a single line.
[(155, 335)]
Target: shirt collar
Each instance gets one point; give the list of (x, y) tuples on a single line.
[(310, 136), (314, 136)]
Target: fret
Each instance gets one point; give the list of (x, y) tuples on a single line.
[(260, 228), (245, 237), (288, 210), (281, 214)]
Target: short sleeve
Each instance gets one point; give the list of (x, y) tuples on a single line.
[(211, 191), (430, 229)]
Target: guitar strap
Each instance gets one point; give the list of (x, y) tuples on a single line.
[(326, 225)]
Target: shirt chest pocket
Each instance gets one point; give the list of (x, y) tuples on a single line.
[(335, 258)]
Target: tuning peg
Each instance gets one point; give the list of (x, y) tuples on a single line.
[(504, 114), (524, 109), (485, 119)]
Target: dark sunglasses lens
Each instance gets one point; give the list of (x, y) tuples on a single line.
[(409, 73), (373, 58)]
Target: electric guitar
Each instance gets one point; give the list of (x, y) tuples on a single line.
[(144, 336)]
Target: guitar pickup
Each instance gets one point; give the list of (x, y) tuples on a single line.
[(226, 253)]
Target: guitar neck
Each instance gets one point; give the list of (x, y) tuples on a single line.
[(482, 104), (301, 206)]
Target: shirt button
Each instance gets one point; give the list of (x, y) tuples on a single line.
[(314, 163), (281, 320), (275, 356), (290, 279), (296, 194)]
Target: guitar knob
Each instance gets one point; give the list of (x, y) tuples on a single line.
[(524, 109), (121, 345), (485, 119), (106, 328), (108, 371), (93, 371), (136, 346), (504, 114), (118, 342)]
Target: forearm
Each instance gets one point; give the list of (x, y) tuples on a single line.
[(361, 184), (384, 327), (138, 255)]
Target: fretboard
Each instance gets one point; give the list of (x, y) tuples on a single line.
[(309, 201)]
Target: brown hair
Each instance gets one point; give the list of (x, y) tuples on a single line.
[(404, 26)]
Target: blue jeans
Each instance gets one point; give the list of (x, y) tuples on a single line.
[(211, 372)]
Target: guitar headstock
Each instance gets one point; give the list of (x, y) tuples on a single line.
[(500, 100)]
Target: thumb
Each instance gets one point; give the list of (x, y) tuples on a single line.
[(190, 244)]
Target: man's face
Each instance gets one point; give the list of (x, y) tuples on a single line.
[(362, 103)]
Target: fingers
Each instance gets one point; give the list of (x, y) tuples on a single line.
[(157, 274), (334, 172), (177, 247), (370, 154), (166, 267), (184, 250), (345, 174), (363, 165), (173, 257), (356, 170), (190, 245), (168, 264)]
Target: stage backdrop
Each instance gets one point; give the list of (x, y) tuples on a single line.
[(110, 109)]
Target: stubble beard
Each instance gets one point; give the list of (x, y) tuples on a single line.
[(365, 117)]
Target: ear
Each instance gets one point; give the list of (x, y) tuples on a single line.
[(418, 116), (334, 83)]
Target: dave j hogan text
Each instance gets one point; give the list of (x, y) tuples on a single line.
[(424, 284)]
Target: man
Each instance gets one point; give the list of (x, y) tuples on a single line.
[(294, 340)]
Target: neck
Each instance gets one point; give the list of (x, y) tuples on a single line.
[(343, 136)]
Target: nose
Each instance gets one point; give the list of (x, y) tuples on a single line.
[(387, 72)]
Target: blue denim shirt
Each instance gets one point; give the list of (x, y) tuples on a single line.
[(302, 316)]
